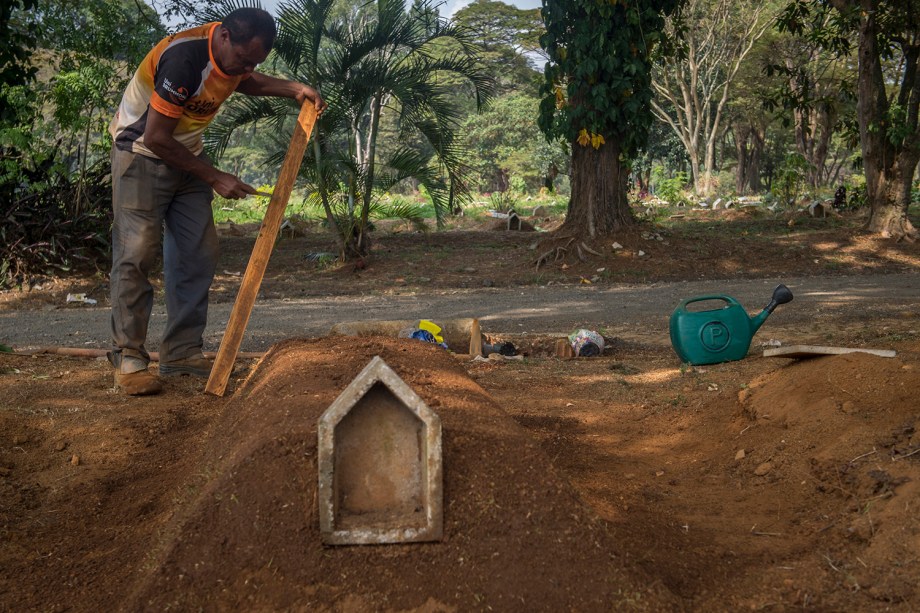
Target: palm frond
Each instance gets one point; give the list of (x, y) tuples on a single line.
[(217, 10), (400, 209)]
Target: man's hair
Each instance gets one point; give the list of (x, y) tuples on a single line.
[(247, 23)]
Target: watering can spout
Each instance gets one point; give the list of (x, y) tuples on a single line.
[(757, 321), (781, 295)]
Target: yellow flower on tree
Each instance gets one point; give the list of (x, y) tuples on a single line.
[(586, 138)]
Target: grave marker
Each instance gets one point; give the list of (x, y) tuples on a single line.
[(380, 465)]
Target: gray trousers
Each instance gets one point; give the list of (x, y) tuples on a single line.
[(153, 200)]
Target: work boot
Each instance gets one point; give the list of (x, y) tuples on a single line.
[(138, 383), (196, 366)]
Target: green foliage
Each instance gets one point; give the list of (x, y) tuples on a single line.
[(506, 35), (819, 24), (402, 210), (387, 62), (885, 34), (598, 78), (349, 220), (857, 194), (790, 179), (247, 210), (54, 163), (19, 37), (503, 202), (506, 146), (671, 189), (120, 30)]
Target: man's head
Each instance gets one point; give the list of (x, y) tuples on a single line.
[(243, 40)]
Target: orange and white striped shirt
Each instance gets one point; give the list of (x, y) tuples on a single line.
[(178, 78)]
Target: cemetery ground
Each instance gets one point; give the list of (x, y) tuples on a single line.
[(626, 481)]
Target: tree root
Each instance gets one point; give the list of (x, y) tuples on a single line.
[(590, 250), (899, 230), (557, 253), (560, 251)]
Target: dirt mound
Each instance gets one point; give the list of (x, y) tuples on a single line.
[(840, 435), (517, 535)]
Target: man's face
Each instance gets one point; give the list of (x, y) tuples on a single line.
[(238, 58)]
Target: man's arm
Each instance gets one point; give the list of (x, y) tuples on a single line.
[(158, 136), (259, 84)]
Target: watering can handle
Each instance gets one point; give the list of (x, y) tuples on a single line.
[(731, 301)]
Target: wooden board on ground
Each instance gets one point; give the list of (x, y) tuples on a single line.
[(813, 351)]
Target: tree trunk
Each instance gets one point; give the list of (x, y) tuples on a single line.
[(743, 153), (695, 170), (891, 199), (889, 168), (754, 182), (599, 205), (370, 160)]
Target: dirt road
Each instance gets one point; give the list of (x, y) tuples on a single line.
[(629, 311)]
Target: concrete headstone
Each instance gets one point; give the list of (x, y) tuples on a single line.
[(380, 465)]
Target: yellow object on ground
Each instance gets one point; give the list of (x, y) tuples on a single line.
[(430, 326)]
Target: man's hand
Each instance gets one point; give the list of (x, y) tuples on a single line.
[(230, 186), (308, 93)]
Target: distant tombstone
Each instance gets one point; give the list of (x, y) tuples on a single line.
[(540, 211), (817, 209), (380, 464), (514, 222)]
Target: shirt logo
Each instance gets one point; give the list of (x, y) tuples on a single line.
[(178, 95), (202, 106)]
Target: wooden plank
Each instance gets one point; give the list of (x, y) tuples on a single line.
[(261, 252), (475, 338), (812, 351)]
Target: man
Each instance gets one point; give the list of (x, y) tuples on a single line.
[(162, 186)]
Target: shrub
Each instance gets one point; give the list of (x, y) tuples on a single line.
[(672, 190), (789, 183), (42, 234)]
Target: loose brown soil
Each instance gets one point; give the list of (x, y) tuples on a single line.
[(624, 481)]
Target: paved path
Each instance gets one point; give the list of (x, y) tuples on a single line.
[(618, 309)]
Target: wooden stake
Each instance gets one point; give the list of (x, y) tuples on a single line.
[(261, 252), (475, 338)]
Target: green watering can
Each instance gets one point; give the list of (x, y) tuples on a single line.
[(719, 335)]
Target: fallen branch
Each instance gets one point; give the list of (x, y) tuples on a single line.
[(863, 455), (758, 533), (905, 456)]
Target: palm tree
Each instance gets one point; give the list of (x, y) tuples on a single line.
[(379, 60)]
